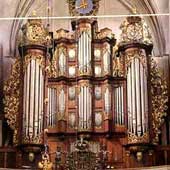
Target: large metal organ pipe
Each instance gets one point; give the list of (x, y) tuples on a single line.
[(52, 107), (84, 52), (137, 97), (84, 108), (33, 99)]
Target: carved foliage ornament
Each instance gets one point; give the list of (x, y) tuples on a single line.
[(35, 33), (11, 99), (39, 58), (139, 54), (132, 138), (159, 94), (135, 29)]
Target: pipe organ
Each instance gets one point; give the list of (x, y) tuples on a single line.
[(85, 92)]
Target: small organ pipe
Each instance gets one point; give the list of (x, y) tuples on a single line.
[(36, 97), (133, 98), (90, 108), (85, 106), (138, 97), (142, 98), (32, 97), (122, 94), (146, 101)]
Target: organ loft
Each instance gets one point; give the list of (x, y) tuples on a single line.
[(82, 99)]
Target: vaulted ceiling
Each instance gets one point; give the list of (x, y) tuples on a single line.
[(9, 28)]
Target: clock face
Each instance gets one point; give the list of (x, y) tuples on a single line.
[(84, 6)]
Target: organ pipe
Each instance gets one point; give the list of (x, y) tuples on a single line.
[(84, 101), (33, 99), (51, 107), (137, 97), (119, 105), (84, 53)]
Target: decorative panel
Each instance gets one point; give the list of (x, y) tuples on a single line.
[(72, 71), (98, 119), (72, 119), (62, 61), (97, 54), (72, 93), (106, 59), (107, 100), (71, 54), (98, 92), (97, 71)]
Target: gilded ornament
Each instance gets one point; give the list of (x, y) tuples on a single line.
[(105, 33), (132, 138), (135, 29), (118, 67), (32, 139), (159, 94), (11, 99), (35, 33), (39, 58), (137, 53), (45, 164)]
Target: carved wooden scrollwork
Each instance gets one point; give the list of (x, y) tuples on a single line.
[(11, 99), (159, 94)]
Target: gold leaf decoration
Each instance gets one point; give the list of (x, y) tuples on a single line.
[(11, 99), (132, 138), (159, 94)]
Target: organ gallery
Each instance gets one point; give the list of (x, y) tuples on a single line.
[(81, 99)]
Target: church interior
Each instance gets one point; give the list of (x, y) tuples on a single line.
[(84, 84)]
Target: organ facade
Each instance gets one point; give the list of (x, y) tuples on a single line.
[(84, 100)]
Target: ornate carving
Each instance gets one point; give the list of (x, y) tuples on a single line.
[(135, 53), (135, 29), (39, 58), (72, 120), (118, 67), (105, 33), (159, 94), (98, 119), (61, 33), (33, 139), (11, 99), (45, 164), (35, 33), (132, 138)]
